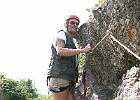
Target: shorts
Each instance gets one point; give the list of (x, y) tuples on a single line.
[(58, 84)]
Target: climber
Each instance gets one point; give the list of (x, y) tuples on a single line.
[(63, 72)]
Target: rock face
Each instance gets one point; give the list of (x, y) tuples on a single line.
[(109, 61), (1, 94), (130, 88)]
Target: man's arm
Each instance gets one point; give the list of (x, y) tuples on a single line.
[(61, 51)]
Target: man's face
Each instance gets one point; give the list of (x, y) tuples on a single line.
[(73, 25)]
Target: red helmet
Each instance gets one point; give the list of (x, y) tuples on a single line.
[(73, 17)]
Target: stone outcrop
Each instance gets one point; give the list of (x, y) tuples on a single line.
[(130, 87), (1, 94), (109, 61)]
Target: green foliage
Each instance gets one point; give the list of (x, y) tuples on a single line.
[(101, 2), (17, 90), (41, 97), (81, 60), (49, 97)]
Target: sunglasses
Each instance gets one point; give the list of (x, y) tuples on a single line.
[(73, 23)]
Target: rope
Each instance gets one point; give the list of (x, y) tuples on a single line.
[(109, 33), (125, 47), (100, 41)]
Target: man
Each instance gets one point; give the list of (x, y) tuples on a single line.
[(63, 71)]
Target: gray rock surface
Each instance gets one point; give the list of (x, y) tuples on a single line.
[(109, 61)]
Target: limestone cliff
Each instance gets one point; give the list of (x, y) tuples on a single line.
[(109, 62)]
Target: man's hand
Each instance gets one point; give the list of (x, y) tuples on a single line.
[(86, 49)]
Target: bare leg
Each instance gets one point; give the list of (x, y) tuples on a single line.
[(61, 95), (72, 94)]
